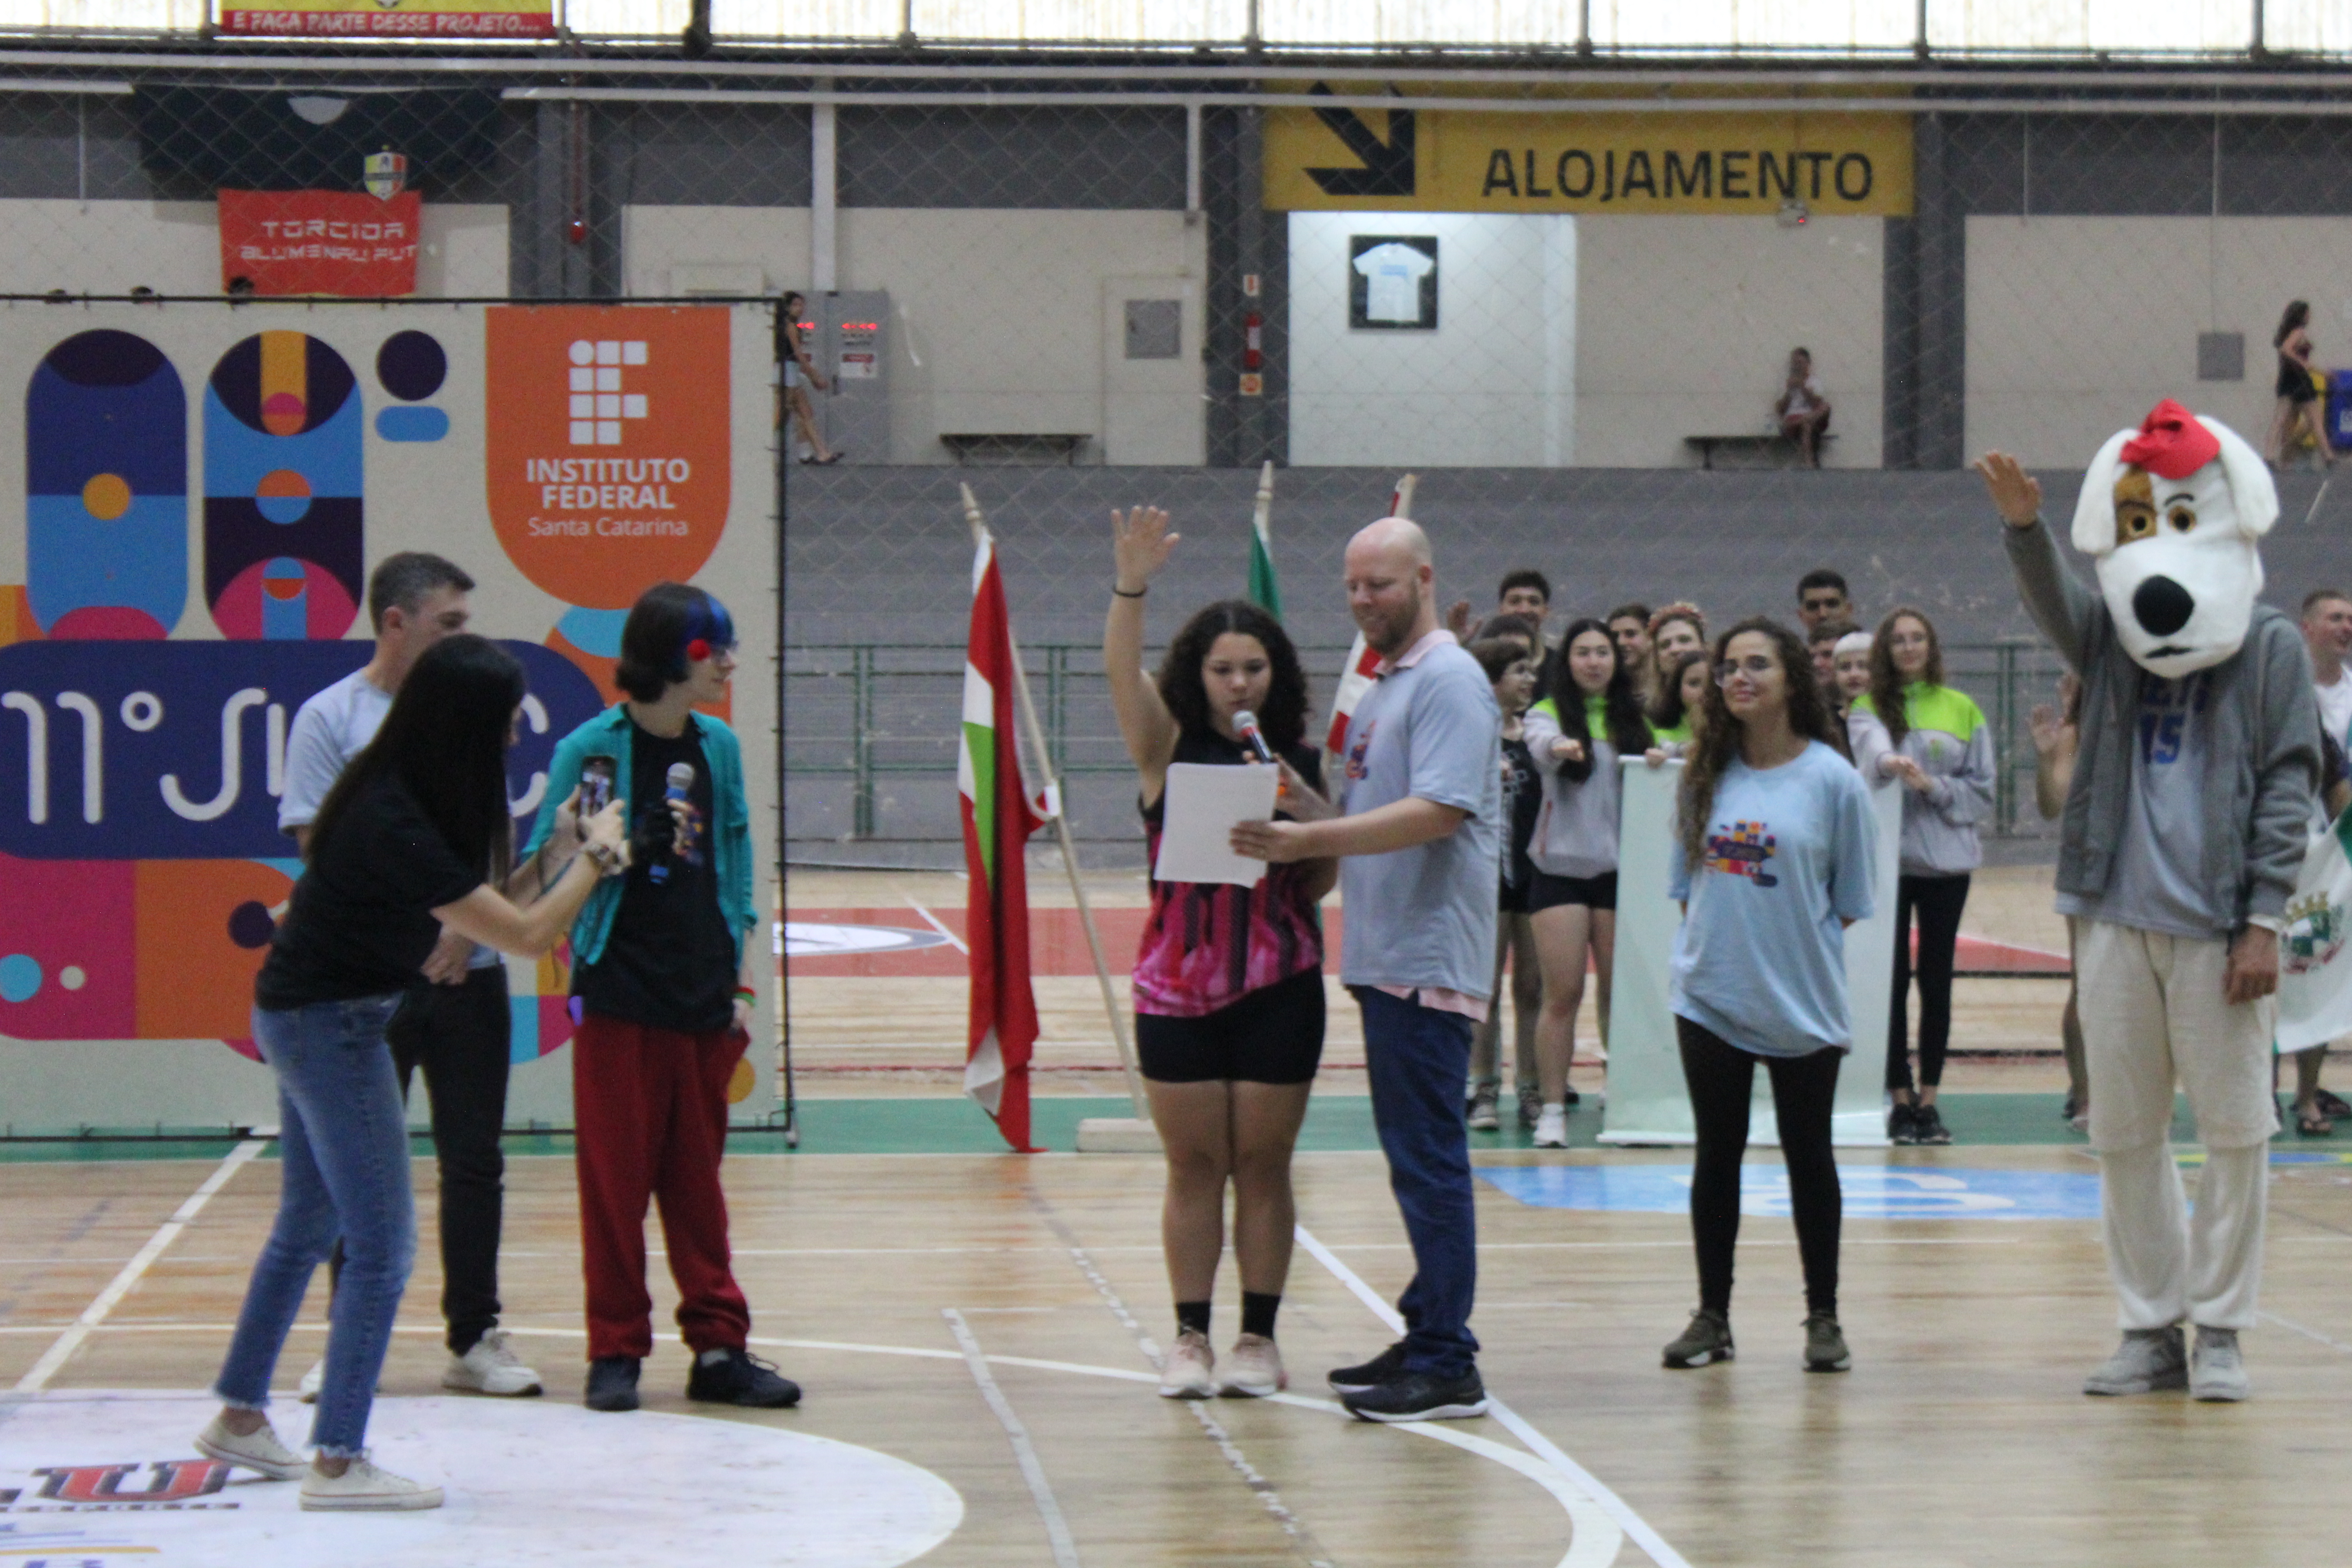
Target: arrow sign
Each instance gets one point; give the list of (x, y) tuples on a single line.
[(1388, 166)]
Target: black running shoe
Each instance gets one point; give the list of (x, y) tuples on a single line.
[(612, 1383), (741, 1379), (1420, 1396), (1388, 1364), (1927, 1127), (1903, 1123)]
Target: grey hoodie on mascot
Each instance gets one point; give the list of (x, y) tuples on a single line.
[(2183, 831)]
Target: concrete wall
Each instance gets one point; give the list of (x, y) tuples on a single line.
[(174, 247), (1685, 324), (1000, 314), (1495, 384), (2076, 326)]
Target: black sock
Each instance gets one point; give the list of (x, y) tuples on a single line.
[(1192, 1315), (1258, 1308)]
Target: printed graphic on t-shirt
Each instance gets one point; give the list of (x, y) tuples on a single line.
[(2165, 707), (1357, 752), (1742, 852)]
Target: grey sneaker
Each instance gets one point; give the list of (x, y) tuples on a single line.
[(1825, 1345), (2218, 1375), (1530, 1104), (1705, 1340), (2146, 1361), (1483, 1116)]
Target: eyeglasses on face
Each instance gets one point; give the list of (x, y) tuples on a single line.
[(1755, 666)]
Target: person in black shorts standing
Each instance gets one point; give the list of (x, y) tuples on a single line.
[(1228, 980), (1508, 665)]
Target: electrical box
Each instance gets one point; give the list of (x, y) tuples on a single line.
[(852, 348)]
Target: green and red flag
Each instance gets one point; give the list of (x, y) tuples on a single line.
[(998, 818), (1264, 587)]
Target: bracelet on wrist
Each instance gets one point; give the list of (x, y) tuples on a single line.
[(745, 992), (1119, 591)]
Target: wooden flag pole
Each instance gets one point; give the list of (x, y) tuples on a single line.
[(1400, 505), (1125, 1138), (1264, 512)]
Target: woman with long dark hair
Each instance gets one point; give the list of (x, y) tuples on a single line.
[(1772, 856), (1939, 747), (1680, 705), (1228, 980), (801, 373), (2299, 408), (414, 837), (1593, 717)]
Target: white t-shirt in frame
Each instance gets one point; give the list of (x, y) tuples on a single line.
[(2335, 708), (1392, 275)]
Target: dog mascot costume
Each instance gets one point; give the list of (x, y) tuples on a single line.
[(2183, 832)]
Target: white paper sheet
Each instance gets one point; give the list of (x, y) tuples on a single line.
[(1203, 803)]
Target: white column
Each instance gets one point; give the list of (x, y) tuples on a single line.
[(823, 197)]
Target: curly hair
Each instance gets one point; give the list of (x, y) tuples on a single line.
[(1666, 708), (1717, 741), (1887, 684), (1629, 726), (1283, 715)]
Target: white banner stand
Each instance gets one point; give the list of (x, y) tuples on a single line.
[(1647, 1102)]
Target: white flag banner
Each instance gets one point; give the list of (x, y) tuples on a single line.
[(2314, 971)]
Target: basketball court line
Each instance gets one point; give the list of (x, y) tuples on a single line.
[(1024, 1453), (2268, 1316), (1617, 1508), (38, 1377), (954, 941)]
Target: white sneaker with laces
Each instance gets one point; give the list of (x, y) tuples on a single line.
[(255, 1450), (2217, 1373), (2147, 1361), (306, 1391), (1551, 1128), (1188, 1371), (490, 1367), (1253, 1369), (364, 1489)]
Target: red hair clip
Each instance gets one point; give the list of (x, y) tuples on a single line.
[(698, 651)]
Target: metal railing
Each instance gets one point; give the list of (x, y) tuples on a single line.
[(867, 717)]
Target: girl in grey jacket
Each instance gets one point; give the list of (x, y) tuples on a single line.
[(1938, 746), (1590, 718)]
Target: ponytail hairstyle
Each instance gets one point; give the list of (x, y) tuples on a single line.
[(1719, 734), (1886, 685), (1629, 728), (660, 637), (444, 741)]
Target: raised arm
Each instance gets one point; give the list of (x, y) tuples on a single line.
[(2066, 611), (1140, 545)]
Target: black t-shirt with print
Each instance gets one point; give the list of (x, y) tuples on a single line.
[(669, 962), (361, 922)]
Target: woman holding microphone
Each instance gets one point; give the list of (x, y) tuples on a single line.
[(414, 837), (1772, 861), (1228, 980)]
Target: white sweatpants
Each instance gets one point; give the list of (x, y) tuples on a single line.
[(2153, 1015)]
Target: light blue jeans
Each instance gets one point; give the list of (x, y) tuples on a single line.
[(342, 1173)]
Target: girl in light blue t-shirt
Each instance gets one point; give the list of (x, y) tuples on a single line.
[(1772, 861)]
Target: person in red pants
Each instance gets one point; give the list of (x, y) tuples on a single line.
[(662, 989)]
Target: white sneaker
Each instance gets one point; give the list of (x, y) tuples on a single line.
[(1253, 1369), (306, 1391), (1551, 1128), (2147, 1361), (490, 1368), (2218, 1372), (1188, 1371), (257, 1450), (364, 1489)]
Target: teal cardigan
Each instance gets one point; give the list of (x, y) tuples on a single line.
[(607, 735)]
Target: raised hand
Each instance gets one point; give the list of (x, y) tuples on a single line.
[(1457, 619), (2016, 494), (2043, 722), (1140, 545)]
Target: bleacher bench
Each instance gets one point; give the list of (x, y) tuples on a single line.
[(1763, 442)]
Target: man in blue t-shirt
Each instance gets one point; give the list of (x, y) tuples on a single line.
[(1420, 792)]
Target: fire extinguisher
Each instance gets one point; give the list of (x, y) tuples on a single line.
[(1253, 342)]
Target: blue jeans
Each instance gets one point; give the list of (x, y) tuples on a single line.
[(1417, 1058), (342, 1173)]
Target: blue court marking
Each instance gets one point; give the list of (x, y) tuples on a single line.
[(1871, 1191)]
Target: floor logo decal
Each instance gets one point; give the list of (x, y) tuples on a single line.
[(1871, 1191)]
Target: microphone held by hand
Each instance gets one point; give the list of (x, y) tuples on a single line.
[(1245, 726)]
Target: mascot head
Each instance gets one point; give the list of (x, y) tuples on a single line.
[(2172, 513)]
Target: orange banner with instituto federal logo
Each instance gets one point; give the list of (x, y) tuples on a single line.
[(606, 446)]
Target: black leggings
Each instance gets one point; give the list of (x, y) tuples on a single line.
[(1722, 1077), (1938, 902)]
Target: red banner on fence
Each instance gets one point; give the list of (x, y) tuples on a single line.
[(319, 242)]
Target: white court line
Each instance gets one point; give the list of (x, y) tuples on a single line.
[(953, 941), (2306, 1334), (1617, 1508), (1024, 1453), (56, 1355)]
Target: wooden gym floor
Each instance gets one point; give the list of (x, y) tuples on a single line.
[(1960, 1437)]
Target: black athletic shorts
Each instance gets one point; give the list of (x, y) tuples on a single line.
[(1274, 1035), (1549, 892), (1514, 897)]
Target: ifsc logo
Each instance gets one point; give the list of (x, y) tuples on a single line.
[(171, 1484)]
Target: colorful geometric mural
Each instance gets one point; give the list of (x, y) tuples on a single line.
[(106, 482), (283, 556)]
